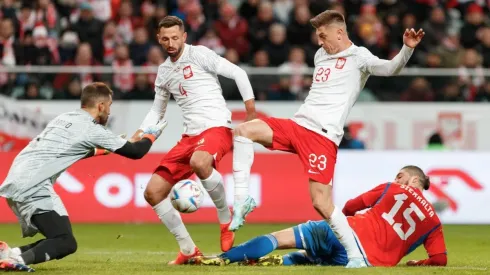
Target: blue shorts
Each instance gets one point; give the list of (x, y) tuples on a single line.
[(320, 244)]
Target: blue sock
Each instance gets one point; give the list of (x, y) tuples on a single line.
[(251, 250)]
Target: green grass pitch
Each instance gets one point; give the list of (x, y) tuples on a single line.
[(145, 249)]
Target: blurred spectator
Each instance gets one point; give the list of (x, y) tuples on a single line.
[(259, 25), (139, 47), (282, 10), (26, 19), (72, 91), (435, 28), (111, 39), (484, 47), (296, 69), (180, 10), (195, 23), (249, 8), (89, 29), (152, 25), (451, 93), (155, 58), (102, 9), (232, 30), (435, 142), (474, 21), (450, 51), (8, 49), (277, 48), (83, 57), (300, 29), (350, 142), (261, 59), (471, 83), (483, 94), (280, 91), (68, 46), (123, 82), (31, 91), (126, 23), (47, 15), (141, 91), (212, 41), (419, 90)]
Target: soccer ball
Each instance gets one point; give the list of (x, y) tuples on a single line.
[(186, 196)]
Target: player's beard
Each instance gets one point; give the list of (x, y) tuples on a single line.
[(176, 53), (103, 119)]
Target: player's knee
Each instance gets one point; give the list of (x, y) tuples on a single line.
[(320, 205), (67, 245), (202, 164), (243, 130), (156, 190)]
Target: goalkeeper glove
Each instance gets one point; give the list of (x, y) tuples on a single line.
[(154, 131)]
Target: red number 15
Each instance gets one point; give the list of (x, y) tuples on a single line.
[(322, 74)]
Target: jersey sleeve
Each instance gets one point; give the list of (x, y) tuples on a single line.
[(365, 200), (435, 244), (436, 249), (369, 63), (215, 64), (98, 136), (159, 107)]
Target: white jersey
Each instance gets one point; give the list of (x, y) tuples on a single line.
[(193, 81), (337, 81)]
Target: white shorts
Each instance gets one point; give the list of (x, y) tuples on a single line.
[(43, 201)]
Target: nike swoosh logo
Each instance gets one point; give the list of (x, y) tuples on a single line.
[(313, 172)]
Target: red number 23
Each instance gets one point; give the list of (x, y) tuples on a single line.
[(322, 74)]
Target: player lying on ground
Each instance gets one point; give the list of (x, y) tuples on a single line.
[(29, 184), (341, 70), (190, 75), (398, 221)]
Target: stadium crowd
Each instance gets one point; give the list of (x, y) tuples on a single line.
[(252, 33)]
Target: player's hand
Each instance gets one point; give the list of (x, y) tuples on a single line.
[(155, 130), (251, 116), (412, 38), (412, 263)]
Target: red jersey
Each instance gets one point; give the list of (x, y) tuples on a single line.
[(400, 219)]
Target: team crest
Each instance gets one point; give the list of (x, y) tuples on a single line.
[(340, 63), (201, 142), (188, 72)]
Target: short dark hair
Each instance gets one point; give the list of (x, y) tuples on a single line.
[(416, 171), (326, 18), (170, 21), (93, 92)]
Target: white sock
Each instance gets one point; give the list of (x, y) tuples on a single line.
[(343, 232), (19, 259), (171, 218), (216, 190), (243, 158)]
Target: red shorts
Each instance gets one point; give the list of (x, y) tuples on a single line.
[(217, 141), (317, 153)]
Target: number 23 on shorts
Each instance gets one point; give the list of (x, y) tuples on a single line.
[(318, 163)]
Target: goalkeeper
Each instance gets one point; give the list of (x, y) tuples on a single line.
[(28, 187)]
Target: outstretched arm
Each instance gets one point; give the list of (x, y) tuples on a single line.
[(156, 113), (216, 64), (382, 67), (365, 200), (436, 249)]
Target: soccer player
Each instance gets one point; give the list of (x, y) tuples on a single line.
[(190, 76), (398, 221), (28, 186), (341, 70)]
